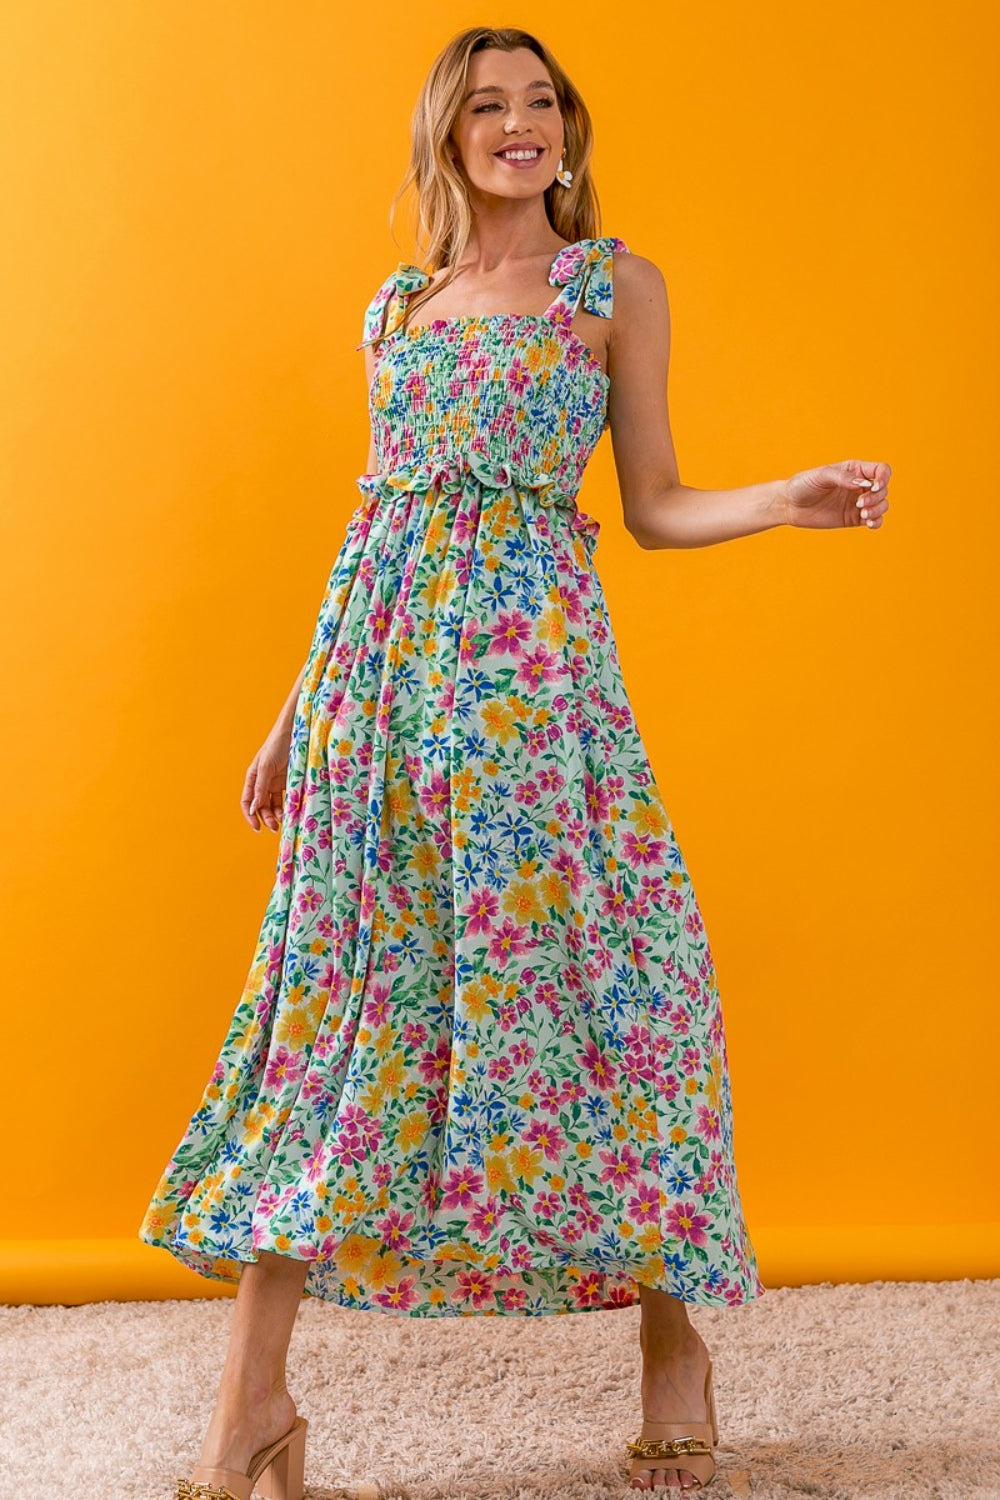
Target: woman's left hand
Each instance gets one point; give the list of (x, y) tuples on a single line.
[(850, 493)]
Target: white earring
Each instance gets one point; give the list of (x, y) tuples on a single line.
[(563, 175)]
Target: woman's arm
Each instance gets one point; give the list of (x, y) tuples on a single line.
[(283, 723), (660, 511)]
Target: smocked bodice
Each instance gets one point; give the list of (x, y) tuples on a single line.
[(502, 399)]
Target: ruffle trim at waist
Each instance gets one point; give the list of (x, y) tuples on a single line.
[(478, 470)]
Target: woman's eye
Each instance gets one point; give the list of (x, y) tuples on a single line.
[(482, 108)]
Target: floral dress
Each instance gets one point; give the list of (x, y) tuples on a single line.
[(479, 1063)]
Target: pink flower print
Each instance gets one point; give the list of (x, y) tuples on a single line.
[(437, 1064), (522, 1054), (379, 621), (283, 1067), (482, 909), (518, 377), (550, 780), (414, 1034), (546, 1137), (644, 1205), (692, 985), (562, 316), (613, 903), (513, 1299), (435, 795), (637, 851), (641, 943), (508, 942), (310, 899), (526, 793), (598, 1069), (461, 1187), (377, 1005), (687, 1223), (690, 1062), (484, 1221), (620, 1167), (316, 1162), (346, 1147), (680, 1020), (395, 1229), (541, 666), (550, 1099), (569, 869), (668, 1086), (501, 1069), (693, 923), (400, 1297), (475, 1287), (547, 1205), (597, 799), (510, 634), (587, 1221), (415, 386), (587, 1292)]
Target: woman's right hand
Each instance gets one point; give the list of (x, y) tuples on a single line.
[(265, 782)]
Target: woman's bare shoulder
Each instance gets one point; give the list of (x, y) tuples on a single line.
[(638, 282)]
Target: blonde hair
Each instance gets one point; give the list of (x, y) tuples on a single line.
[(443, 212)]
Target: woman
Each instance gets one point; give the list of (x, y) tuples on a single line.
[(479, 1065)]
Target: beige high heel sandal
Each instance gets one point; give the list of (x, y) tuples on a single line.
[(277, 1472), (687, 1445)]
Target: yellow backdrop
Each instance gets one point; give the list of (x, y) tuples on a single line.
[(196, 205)]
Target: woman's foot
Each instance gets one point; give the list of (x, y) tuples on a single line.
[(239, 1429), (674, 1370)]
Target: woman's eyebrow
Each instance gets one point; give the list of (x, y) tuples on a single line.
[(493, 88)]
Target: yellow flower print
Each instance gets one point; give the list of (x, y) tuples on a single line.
[(526, 1164), (399, 801), (498, 1175), (553, 892), (384, 1268), (294, 1027), (412, 1131), (499, 721), (425, 860), (476, 1002), (255, 1122), (391, 1072), (356, 1252), (521, 900), (551, 629)]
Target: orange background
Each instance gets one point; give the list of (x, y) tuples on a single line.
[(196, 201)]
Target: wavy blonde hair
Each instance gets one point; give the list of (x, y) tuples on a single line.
[(443, 211)]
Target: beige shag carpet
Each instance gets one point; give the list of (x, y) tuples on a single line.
[(885, 1390)]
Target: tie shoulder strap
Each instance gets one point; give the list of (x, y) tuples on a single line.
[(584, 273), (386, 310)]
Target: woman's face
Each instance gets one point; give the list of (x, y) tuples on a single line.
[(510, 106)]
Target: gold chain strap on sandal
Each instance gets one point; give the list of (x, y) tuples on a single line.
[(664, 1448), (193, 1489)]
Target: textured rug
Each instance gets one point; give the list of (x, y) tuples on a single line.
[(883, 1390)]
